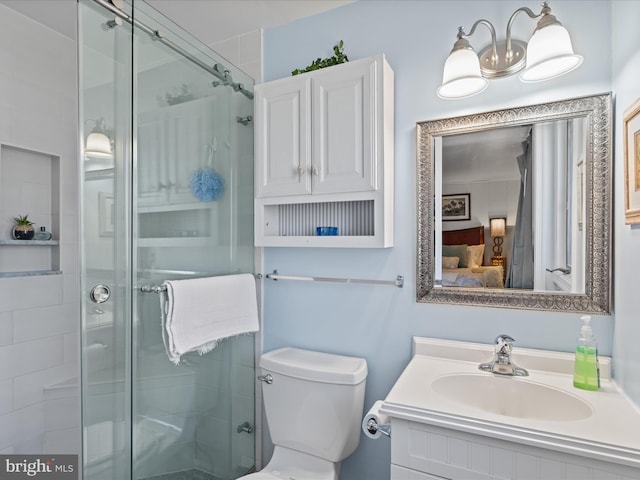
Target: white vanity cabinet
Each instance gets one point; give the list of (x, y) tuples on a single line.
[(324, 156), (421, 451), (536, 427)]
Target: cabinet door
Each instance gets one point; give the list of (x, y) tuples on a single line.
[(344, 128), (282, 137)]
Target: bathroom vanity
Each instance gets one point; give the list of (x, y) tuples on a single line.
[(450, 420)]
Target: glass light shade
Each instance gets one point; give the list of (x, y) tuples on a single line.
[(461, 76), (98, 145), (498, 227), (549, 54)]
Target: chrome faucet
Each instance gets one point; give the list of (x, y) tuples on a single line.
[(501, 362)]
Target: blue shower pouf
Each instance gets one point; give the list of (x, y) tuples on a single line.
[(206, 185)]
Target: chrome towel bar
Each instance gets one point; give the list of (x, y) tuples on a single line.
[(153, 288), (398, 282)]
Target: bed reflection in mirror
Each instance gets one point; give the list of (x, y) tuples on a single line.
[(537, 240), (514, 207)]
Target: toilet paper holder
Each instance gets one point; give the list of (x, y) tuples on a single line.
[(376, 424), (373, 427)]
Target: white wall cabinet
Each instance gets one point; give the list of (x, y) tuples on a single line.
[(324, 156)]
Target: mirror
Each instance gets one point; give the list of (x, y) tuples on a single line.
[(520, 201)]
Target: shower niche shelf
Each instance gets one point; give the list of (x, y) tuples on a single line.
[(324, 143), (29, 184), (29, 243), (181, 225)]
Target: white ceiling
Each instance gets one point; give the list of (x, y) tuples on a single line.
[(211, 21)]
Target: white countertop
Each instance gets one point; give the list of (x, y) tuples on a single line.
[(611, 433)]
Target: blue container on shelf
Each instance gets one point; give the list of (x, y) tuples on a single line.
[(325, 231)]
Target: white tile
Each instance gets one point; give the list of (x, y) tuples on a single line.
[(28, 444), (249, 47), (16, 360), (22, 427), (30, 388), (69, 233), (6, 328), (6, 396), (65, 388), (71, 347), (61, 413), (25, 166), (25, 258), (229, 49), (30, 292), (69, 200), (10, 197), (66, 441), (253, 69), (70, 259), (7, 451), (70, 286), (37, 323)]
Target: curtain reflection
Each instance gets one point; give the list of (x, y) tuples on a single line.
[(521, 269)]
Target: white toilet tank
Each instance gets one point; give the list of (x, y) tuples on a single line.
[(315, 402)]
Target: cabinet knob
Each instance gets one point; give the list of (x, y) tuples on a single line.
[(315, 171), (301, 171)]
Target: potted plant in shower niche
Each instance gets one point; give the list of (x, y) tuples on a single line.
[(23, 228)]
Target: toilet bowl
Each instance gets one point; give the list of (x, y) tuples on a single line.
[(314, 404)]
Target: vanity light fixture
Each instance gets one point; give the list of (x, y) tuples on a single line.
[(98, 143), (548, 55), (498, 229)]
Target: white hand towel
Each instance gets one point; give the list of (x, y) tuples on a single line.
[(201, 311)]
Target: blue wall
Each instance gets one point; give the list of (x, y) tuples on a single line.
[(377, 322), (626, 71)]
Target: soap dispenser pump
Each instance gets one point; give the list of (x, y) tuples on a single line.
[(586, 373)]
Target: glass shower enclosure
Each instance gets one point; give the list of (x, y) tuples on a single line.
[(167, 193)]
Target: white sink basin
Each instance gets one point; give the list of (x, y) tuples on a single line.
[(511, 396)]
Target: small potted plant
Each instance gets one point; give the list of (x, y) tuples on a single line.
[(23, 229)]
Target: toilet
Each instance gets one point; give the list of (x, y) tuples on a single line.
[(314, 405)]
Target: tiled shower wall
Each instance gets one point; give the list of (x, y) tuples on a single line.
[(244, 51), (39, 315)]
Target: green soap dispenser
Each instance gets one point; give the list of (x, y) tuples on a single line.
[(586, 373)]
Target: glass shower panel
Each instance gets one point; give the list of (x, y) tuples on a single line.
[(173, 199), (193, 217), (105, 99)]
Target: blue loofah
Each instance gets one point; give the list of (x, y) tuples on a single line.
[(206, 185)]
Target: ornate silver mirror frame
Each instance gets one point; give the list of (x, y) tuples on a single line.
[(596, 299)]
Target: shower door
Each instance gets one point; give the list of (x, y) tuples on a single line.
[(173, 201)]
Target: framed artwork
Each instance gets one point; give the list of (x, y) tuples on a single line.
[(456, 207), (105, 214), (632, 164)]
